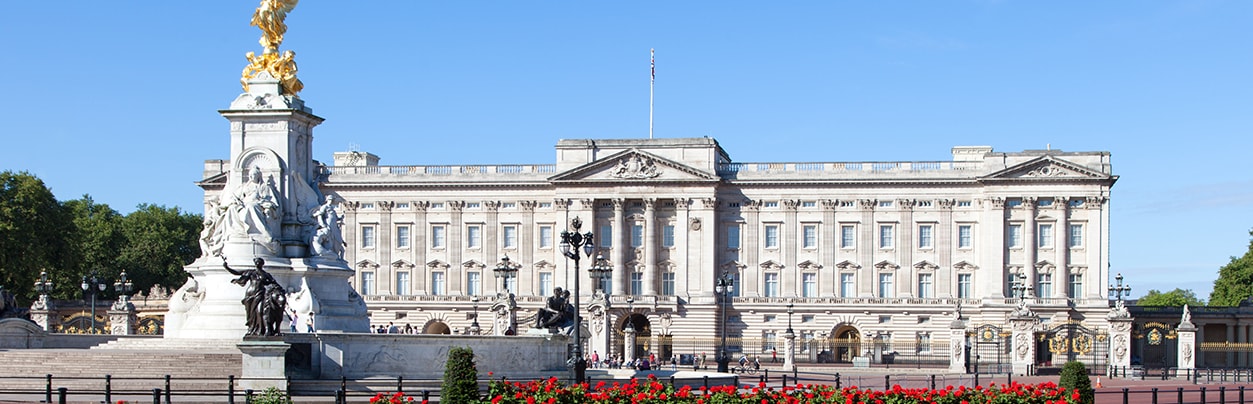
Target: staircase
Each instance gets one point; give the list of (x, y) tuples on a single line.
[(135, 366)]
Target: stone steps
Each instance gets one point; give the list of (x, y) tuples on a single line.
[(85, 369)]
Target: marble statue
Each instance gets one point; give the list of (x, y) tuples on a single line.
[(253, 211), (265, 301), (328, 239), (1187, 315)]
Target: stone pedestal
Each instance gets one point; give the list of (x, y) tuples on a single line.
[(43, 314), (600, 324), (1187, 345), (1120, 342), (263, 364), (789, 351), (628, 344), (123, 322), (957, 346), (504, 315), (1023, 356)]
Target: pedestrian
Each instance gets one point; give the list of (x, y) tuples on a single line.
[(392, 329), (774, 356), (309, 322), (291, 315)]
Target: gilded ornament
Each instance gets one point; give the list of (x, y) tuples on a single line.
[(269, 17)]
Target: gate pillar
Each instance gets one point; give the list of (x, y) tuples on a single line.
[(1187, 341), (1023, 344), (1119, 336), (957, 345)]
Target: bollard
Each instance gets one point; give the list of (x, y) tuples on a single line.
[(1011, 377), (1202, 394), (735, 381), (795, 375), (784, 381), (167, 389), (1241, 394), (287, 386), (706, 384), (887, 382), (761, 379), (1222, 394), (48, 390), (837, 380), (932, 382), (343, 383), (400, 384), (1125, 394), (339, 400), (1209, 376), (230, 389), (976, 378), (248, 396), (672, 381), (1155, 395), (426, 396), (156, 396), (1180, 399), (108, 388), (61, 395)]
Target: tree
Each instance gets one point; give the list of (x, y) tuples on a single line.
[(159, 241), (1075, 376), (33, 226), (1235, 280), (1174, 298), (461, 377), (95, 242)]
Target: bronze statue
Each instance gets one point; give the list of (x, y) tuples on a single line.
[(557, 312), (265, 301)]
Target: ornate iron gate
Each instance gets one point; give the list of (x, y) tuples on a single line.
[(989, 349), (1072, 341)]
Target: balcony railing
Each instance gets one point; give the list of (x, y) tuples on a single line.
[(449, 170), (852, 167)]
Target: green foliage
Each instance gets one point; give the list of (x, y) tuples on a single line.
[(1235, 280), (95, 241), (32, 237), (159, 241), (461, 377), (1075, 376), (271, 395), (1174, 298)]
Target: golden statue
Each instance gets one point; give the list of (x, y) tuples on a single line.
[(269, 18)]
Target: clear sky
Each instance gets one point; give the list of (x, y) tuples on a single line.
[(119, 100)]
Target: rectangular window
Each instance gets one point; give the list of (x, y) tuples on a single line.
[(438, 286), (848, 236), (1076, 236), (965, 286), (1044, 285), (1045, 240), (511, 284), (885, 236), (474, 283), (437, 236), (965, 236), (809, 285), (546, 237), (402, 236), (546, 282), (1075, 286), (667, 283), (963, 204), (1014, 238), (606, 236), (367, 236), (510, 237), (810, 236), (772, 284), (768, 342), (926, 289), (772, 236), (667, 236), (925, 237), (637, 235), (606, 284), (847, 286), (474, 236), (733, 237), (885, 286), (924, 342), (367, 283), (402, 283), (637, 283)]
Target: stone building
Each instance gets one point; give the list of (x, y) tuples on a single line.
[(858, 258)]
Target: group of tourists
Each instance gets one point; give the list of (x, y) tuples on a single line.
[(392, 328), (646, 362)]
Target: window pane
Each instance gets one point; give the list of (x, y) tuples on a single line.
[(924, 236), (847, 238), (1076, 286), (637, 235), (1044, 285), (437, 237), (473, 236), (1046, 236), (667, 236), (809, 283), (437, 283), (733, 236), (546, 237), (964, 286), (474, 283), (772, 236), (637, 283), (846, 285), (667, 283), (772, 285), (810, 236), (510, 237), (605, 237), (402, 283), (545, 282), (1076, 235), (885, 236), (965, 234), (367, 283), (1015, 236), (924, 286), (367, 236), (885, 285), (402, 237)]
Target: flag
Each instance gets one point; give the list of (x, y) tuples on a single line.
[(652, 63)]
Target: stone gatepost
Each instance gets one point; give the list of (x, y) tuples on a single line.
[(263, 364), (1119, 336), (43, 313), (504, 315), (1023, 341), (1187, 341), (122, 317), (599, 325), (628, 343), (789, 350), (957, 346)]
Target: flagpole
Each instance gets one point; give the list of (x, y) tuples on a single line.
[(652, 81)]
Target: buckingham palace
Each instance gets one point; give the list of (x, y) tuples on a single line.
[(882, 259)]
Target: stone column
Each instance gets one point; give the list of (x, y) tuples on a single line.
[(620, 247), (1023, 342), (1120, 342), (650, 247), (1030, 246), (957, 346), (789, 351), (1187, 342)]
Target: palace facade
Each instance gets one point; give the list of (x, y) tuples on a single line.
[(858, 258)]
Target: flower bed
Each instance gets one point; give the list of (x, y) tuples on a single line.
[(652, 391)]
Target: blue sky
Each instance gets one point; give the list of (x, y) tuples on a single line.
[(119, 100)]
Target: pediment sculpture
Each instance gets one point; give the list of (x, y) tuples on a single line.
[(635, 167)]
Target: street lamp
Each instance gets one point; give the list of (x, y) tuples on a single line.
[(123, 287), (92, 286), (505, 271), (1020, 286), (43, 286), (570, 243), (1120, 290), (723, 288), (600, 271), (474, 327), (789, 317)]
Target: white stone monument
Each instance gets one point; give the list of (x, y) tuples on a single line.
[(1187, 340)]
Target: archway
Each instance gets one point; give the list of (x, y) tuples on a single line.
[(845, 344), (643, 335), (436, 327)]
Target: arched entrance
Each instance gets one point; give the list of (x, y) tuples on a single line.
[(436, 327), (845, 344), (643, 335)]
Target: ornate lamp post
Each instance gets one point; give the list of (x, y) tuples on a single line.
[(43, 286), (92, 286), (599, 271), (1020, 286), (1120, 290), (570, 243), (722, 288), (474, 326), (505, 271), (123, 287)]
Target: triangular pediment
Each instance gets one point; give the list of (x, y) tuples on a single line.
[(1048, 167), (634, 165), (847, 265), (770, 265), (809, 265)]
